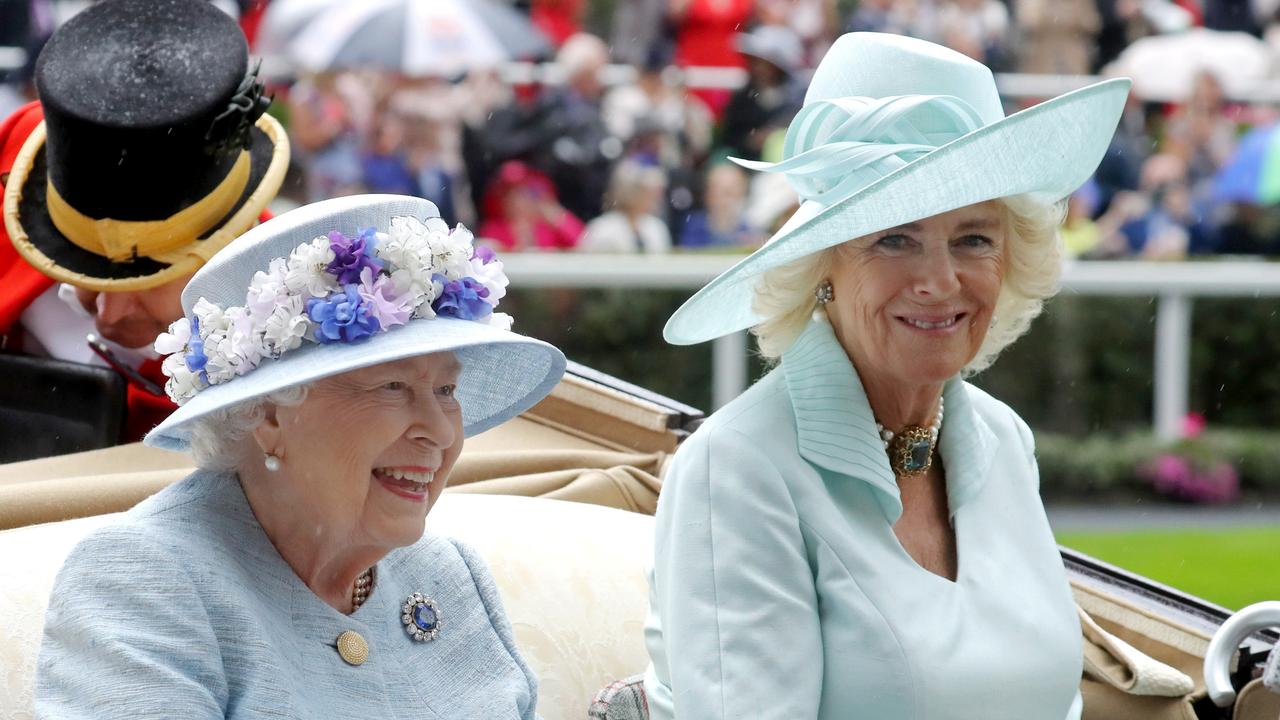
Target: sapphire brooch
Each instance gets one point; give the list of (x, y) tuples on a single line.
[(421, 617)]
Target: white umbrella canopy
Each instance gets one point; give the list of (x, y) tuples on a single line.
[(411, 37), (1164, 67)]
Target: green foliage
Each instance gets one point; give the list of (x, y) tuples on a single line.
[(1102, 466)]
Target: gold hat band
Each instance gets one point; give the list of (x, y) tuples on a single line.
[(124, 240)]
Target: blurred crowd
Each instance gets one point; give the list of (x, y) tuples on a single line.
[(638, 161)]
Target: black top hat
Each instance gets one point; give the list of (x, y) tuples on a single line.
[(154, 152)]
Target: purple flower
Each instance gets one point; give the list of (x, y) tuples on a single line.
[(463, 299), (378, 293), (484, 253), (342, 317), (352, 256)]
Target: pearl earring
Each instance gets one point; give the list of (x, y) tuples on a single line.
[(272, 462)]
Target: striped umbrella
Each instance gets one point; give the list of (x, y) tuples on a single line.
[(1252, 174), (412, 37)]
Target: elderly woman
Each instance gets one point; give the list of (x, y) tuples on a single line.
[(330, 363), (828, 546)]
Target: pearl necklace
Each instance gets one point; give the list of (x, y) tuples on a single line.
[(911, 451), (364, 583)]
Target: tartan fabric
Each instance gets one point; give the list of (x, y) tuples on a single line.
[(621, 700)]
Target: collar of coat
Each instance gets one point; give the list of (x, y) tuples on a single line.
[(837, 430)]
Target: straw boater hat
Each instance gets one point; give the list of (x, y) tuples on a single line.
[(154, 152), (340, 285), (895, 129)]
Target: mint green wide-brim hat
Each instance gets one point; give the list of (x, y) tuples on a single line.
[(896, 129)]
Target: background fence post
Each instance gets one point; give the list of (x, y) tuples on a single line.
[(1172, 363)]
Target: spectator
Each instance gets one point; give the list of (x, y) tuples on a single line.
[(1080, 234), (633, 225), (1058, 36), (1159, 222), (887, 16), (1232, 16), (521, 212), (325, 136), (721, 224), (638, 30), (557, 19), (1122, 23), (682, 121), (771, 96), (815, 22), (384, 162), (1201, 133), (571, 142), (977, 28), (705, 31)]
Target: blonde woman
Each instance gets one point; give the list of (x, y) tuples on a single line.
[(831, 544)]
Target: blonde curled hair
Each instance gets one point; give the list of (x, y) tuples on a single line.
[(784, 296)]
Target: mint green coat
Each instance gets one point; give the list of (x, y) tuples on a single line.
[(779, 589)]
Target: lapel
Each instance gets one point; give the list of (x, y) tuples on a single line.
[(837, 431)]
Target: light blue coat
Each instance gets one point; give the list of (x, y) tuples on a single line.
[(779, 589), (185, 610)]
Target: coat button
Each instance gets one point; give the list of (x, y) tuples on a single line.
[(353, 648)]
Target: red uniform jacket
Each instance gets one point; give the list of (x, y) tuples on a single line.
[(21, 284)]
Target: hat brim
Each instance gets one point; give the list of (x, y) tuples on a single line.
[(1046, 151), (503, 373), (45, 248)]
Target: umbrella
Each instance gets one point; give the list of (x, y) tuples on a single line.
[(1252, 174), (1164, 67), (413, 37)]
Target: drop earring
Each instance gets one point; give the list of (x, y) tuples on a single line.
[(271, 462)]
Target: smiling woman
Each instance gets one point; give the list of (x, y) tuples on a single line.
[(328, 367), (828, 545)]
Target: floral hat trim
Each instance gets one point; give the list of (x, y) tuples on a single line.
[(336, 289)]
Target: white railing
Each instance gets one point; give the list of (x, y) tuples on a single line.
[(1174, 285)]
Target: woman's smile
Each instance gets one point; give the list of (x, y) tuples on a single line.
[(934, 324), (410, 483)]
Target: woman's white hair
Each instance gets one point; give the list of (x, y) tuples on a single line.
[(218, 440), (785, 298)]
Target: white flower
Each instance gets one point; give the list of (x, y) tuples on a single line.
[(174, 341), (242, 346), (451, 253), (267, 289), (220, 366), (407, 252), (492, 276), (306, 272), (502, 321), (209, 316), (182, 384), (285, 327)]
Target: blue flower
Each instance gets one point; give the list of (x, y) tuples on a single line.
[(351, 256), (342, 317), (195, 357), (463, 299)]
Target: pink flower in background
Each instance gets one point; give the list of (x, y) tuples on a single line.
[(1178, 478), (1192, 425)]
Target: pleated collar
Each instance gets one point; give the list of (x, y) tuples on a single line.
[(837, 430)]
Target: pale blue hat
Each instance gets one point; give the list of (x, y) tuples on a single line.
[(896, 129), (503, 373)]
